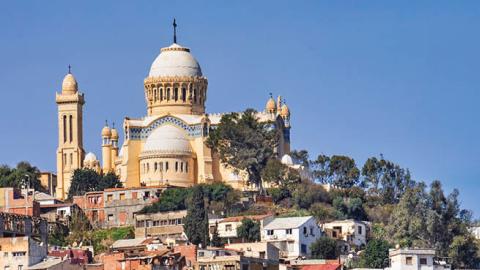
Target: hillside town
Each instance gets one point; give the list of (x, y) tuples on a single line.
[(182, 188)]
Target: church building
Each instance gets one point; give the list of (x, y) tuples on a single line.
[(168, 145)]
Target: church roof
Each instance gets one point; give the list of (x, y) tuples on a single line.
[(175, 60), (167, 139)]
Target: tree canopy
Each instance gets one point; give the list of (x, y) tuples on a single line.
[(324, 248), (19, 176), (85, 180), (245, 143), (249, 230)]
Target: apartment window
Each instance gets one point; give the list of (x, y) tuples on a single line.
[(262, 254), (110, 217), (269, 232), (305, 230), (360, 229), (409, 261), (19, 253), (311, 231), (303, 249), (288, 231), (201, 254), (423, 261), (156, 223), (122, 196), (109, 197), (229, 267), (228, 227)]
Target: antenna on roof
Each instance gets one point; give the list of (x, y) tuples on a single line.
[(106, 123), (69, 69), (174, 31)]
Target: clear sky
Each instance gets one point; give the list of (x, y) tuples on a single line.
[(361, 77)]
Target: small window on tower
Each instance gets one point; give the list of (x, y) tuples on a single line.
[(166, 166), (184, 94), (176, 166)]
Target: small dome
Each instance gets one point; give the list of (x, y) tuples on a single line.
[(270, 105), (285, 111), (287, 160), (175, 61), (69, 84), (114, 134), (106, 132), (167, 139), (90, 157)]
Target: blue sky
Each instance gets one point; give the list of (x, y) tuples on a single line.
[(361, 77)]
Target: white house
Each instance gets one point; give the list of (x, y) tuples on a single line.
[(351, 231), (227, 227), (414, 259), (292, 235)]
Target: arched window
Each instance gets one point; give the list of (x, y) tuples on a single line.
[(175, 94), (161, 166), (71, 158), (166, 166), (176, 166), (181, 166), (186, 167), (148, 167), (168, 93), (155, 166), (161, 94), (64, 159), (155, 94), (195, 95), (184, 94), (71, 128), (64, 128)]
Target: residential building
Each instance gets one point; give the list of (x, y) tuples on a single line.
[(292, 235), (116, 207), (59, 212), (218, 258), (163, 224), (353, 232), (415, 259), (23, 241), (227, 227), (149, 260), (312, 265), (18, 201), (262, 250)]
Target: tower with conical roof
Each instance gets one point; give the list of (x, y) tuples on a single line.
[(70, 153)]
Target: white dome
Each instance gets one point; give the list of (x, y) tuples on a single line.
[(167, 139), (287, 160), (90, 157), (175, 61)]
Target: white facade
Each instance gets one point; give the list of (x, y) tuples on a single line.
[(293, 235), (227, 227), (413, 259), (352, 231)]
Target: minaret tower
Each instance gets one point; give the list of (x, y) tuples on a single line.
[(114, 153), (106, 148), (70, 151)]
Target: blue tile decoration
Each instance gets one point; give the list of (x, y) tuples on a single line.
[(142, 133)]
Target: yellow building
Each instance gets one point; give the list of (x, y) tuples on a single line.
[(167, 146)]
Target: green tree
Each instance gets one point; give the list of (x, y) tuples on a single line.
[(20, 176), (464, 252), (196, 222), (85, 180), (171, 199), (216, 241), (300, 157), (407, 225), (245, 143), (307, 194), (340, 171), (324, 248), (109, 180), (385, 179), (375, 254), (249, 230)]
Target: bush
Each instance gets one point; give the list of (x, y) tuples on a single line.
[(307, 194), (324, 248)]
